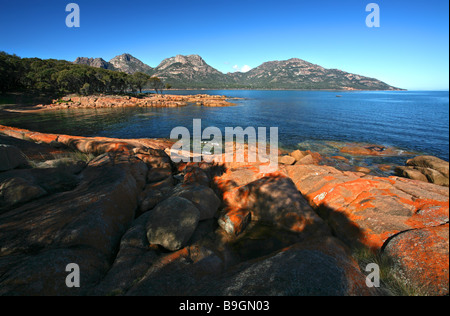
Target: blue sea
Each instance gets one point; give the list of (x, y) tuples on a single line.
[(411, 121)]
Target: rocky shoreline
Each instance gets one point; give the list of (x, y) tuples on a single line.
[(151, 100), (139, 224)]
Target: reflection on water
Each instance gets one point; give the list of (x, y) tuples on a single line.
[(411, 121)]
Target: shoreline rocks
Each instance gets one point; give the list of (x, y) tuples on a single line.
[(152, 100), (427, 169), (139, 224)]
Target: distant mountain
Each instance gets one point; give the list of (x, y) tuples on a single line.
[(94, 62), (189, 72), (129, 64), (193, 72), (299, 74)]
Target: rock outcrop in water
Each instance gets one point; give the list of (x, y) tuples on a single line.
[(152, 100), (426, 168), (138, 224)]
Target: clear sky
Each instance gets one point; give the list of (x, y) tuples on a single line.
[(410, 49)]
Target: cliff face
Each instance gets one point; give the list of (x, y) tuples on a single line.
[(193, 72)]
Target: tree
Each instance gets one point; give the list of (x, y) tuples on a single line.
[(139, 80), (86, 89), (156, 84)]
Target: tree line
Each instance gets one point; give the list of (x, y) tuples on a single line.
[(60, 77)]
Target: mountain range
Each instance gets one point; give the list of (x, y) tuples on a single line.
[(184, 72)]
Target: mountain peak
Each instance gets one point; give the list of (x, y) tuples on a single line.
[(191, 71), (125, 56), (186, 59), (130, 64)]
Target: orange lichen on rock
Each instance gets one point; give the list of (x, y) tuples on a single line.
[(421, 258), (368, 210), (235, 221)]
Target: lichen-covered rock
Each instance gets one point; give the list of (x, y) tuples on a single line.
[(269, 225), (235, 221), (274, 200), (421, 259), (368, 150), (367, 210)]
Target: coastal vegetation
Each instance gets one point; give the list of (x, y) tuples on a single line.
[(59, 77)]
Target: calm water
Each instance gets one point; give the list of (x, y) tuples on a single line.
[(411, 121)]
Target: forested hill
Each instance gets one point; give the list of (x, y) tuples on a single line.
[(59, 77)]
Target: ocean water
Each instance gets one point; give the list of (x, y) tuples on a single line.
[(411, 121)]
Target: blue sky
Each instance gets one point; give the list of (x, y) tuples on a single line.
[(410, 49)]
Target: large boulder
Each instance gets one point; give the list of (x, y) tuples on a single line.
[(172, 223), (297, 155), (202, 197), (316, 268), (426, 168), (11, 157), (421, 259), (144, 269), (286, 160), (430, 162), (148, 199), (158, 174), (410, 173), (307, 160), (273, 200)]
